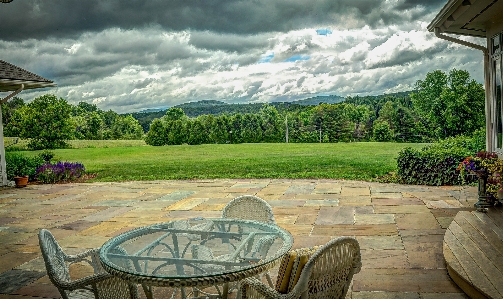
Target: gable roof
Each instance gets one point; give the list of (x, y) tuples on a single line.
[(11, 78), (467, 17)]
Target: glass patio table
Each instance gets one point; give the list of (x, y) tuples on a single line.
[(192, 255)]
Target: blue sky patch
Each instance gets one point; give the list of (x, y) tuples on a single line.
[(297, 57), (266, 58), (325, 31)]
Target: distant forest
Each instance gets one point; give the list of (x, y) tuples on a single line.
[(207, 107), (441, 106)]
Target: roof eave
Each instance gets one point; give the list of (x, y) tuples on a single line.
[(452, 7), (12, 85)]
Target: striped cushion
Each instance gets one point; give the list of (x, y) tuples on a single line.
[(284, 272), (290, 268)]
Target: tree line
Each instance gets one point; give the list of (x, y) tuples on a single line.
[(48, 121), (203, 107), (442, 105)]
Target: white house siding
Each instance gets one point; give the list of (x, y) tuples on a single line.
[(495, 43)]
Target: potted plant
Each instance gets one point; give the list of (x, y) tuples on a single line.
[(487, 167), (22, 174), (20, 168), (21, 181), (498, 185)]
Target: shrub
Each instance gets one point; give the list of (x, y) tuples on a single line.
[(37, 144), (429, 166), (472, 144), (21, 165), (382, 131), (436, 164), (47, 156), (60, 172), (157, 135)]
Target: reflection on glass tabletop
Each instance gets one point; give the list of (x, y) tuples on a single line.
[(196, 248)]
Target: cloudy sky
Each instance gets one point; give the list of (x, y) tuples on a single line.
[(130, 55)]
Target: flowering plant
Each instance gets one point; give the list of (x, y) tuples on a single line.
[(484, 163), (495, 183), (61, 171)]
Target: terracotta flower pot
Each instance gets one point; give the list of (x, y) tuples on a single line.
[(21, 181)]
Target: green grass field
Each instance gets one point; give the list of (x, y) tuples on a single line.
[(356, 161)]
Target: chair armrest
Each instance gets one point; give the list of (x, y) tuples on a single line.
[(94, 261), (83, 255), (262, 290)]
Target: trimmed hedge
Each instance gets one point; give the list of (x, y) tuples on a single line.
[(436, 164), (428, 167)]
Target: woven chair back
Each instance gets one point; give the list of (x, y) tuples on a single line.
[(329, 271), (249, 207), (54, 258)]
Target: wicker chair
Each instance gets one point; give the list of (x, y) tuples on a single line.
[(327, 274), (249, 207), (101, 284)]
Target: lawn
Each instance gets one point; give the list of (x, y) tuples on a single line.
[(355, 161)]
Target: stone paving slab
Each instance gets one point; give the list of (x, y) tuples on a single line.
[(186, 204), (335, 215), (416, 221), (12, 260), (299, 230), (400, 228), (305, 218), (425, 251), (386, 194), (376, 258), (12, 280), (300, 188), (348, 199), (381, 242), (374, 218), (355, 230), (408, 295), (322, 202), (404, 280), (395, 201), (37, 290)]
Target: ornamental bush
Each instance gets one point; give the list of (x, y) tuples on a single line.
[(437, 164), (59, 172), (21, 165), (429, 166)]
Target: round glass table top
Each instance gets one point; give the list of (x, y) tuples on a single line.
[(198, 251)]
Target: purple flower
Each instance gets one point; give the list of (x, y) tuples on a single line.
[(61, 171)]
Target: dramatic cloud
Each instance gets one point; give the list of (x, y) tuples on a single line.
[(132, 55), (62, 18)]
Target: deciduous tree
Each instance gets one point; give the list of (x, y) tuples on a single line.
[(450, 104), (46, 121)]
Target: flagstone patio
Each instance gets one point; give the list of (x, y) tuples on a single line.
[(400, 228)]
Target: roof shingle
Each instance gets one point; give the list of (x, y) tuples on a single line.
[(11, 78)]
